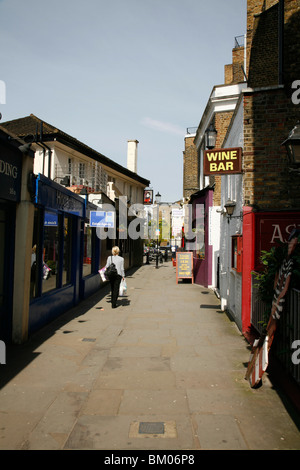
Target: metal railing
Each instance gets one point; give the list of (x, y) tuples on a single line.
[(239, 41), (191, 130), (258, 308), (79, 173), (288, 334), (288, 330)]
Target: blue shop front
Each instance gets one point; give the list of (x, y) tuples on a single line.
[(10, 189), (65, 253)]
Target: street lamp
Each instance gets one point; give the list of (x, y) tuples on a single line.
[(292, 145), (157, 200), (229, 207), (210, 136)]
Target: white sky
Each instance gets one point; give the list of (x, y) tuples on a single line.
[(110, 71)]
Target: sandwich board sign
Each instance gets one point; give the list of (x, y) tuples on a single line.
[(184, 265)]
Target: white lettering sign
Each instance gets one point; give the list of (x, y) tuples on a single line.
[(8, 169), (296, 94), (278, 236)]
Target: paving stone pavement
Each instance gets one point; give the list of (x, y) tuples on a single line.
[(163, 371)]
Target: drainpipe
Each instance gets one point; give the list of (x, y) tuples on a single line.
[(280, 40), (44, 147)]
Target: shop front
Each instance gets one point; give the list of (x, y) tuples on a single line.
[(91, 246), (197, 240), (261, 232), (57, 250), (10, 188)]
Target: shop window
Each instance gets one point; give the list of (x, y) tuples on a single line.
[(199, 231), (2, 252), (87, 251), (50, 263), (35, 255), (67, 261), (51, 257), (236, 253)]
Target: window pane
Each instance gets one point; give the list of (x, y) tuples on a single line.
[(234, 253), (67, 268), (50, 254), (2, 251), (200, 232), (34, 256), (87, 253)]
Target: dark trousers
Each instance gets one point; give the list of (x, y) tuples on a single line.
[(115, 286)]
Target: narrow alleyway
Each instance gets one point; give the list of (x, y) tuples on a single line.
[(165, 370)]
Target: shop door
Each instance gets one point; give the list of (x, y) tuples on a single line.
[(7, 237)]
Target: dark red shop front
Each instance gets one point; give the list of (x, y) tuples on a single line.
[(261, 232)]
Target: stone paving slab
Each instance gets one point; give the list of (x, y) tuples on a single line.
[(167, 354)]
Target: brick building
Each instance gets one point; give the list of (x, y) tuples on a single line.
[(253, 110), (191, 168), (204, 192), (271, 191)]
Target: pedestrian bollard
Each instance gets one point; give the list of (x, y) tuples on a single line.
[(147, 257)]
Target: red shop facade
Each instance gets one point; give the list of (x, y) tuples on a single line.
[(261, 232)]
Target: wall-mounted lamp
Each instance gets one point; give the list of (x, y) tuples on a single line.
[(210, 136), (157, 200), (229, 207), (292, 145)]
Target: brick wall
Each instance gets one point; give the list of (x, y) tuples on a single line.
[(191, 169), (255, 7), (291, 42), (233, 73), (263, 67), (269, 114), (267, 181)]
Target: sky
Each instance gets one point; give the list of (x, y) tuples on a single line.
[(106, 72)]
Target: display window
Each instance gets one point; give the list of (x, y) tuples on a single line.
[(51, 257), (50, 264), (87, 250), (2, 253), (199, 228), (67, 250)]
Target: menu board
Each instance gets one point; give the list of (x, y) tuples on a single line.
[(184, 265)]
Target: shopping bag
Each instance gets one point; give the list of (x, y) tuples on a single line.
[(102, 275), (46, 271), (123, 288)]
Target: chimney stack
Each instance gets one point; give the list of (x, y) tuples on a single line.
[(132, 155)]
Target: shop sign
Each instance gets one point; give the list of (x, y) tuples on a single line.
[(10, 175), (222, 161), (54, 197), (273, 229), (148, 196), (51, 219), (102, 219)]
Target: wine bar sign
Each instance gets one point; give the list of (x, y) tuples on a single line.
[(222, 161)]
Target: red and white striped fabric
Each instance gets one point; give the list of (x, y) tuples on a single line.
[(259, 362)]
